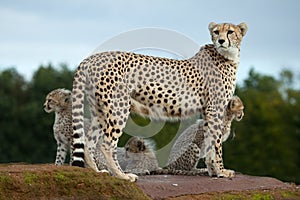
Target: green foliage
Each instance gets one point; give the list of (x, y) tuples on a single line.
[(26, 130), (30, 178), (266, 141)]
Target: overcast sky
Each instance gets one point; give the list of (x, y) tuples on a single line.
[(35, 32)]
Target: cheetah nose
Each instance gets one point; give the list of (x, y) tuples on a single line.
[(141, 146), (221, 41)]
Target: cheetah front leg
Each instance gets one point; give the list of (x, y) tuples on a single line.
[(213, 144), (215, 164), (61, 153)]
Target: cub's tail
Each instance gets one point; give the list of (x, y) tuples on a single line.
[(194, 172)]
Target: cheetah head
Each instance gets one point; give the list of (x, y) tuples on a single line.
[(135, 145), (227, 38), (236, 108), (57, 100)]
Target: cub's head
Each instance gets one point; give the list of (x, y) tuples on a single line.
[(235, 108), (57, 100), (227, 38), (139, 145), (135, 145)]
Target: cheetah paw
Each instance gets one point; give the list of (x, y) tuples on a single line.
[(226, 173), (104, 171), (132, 177)]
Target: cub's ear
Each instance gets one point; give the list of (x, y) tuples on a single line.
[(211, 26), (244, 28), (230, 104)]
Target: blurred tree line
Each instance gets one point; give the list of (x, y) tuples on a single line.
[(266, 142)]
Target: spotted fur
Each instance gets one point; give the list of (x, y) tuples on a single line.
[(59, 101), (190, 147), (136, 157), (139, 157), (115, 82)]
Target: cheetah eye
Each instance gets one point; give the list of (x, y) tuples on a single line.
[(230, 32), (216, 32)]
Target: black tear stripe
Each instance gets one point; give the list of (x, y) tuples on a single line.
[(228, 40)]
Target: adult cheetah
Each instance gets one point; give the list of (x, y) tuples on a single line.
[(114, 82)]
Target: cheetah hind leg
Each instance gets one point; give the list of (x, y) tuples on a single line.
[(112, 125), (108, 143), (112, 162)]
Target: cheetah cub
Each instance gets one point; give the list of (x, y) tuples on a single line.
[(59, 101), (190, 147), (137, 156)]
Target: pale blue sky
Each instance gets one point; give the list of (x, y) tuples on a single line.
[(35, 32)]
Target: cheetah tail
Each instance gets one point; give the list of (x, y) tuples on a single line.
[(78, 136), (166, 171)]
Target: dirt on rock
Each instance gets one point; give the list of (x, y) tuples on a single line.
[(166, 186), (47, 181)]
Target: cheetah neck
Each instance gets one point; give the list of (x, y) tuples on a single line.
[(226, 126), (64, 114), (232, 53), (231, 57)]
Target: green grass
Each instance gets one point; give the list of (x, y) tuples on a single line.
[(66, 183)]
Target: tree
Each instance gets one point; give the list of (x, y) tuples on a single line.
[(26, 130), (265, 142)]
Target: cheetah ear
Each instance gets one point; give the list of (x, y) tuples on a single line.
[(230, 104), (211, 26), (244, 28)]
